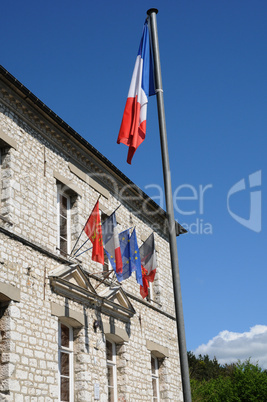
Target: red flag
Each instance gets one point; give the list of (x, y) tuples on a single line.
[(94, 232), (146, 279)]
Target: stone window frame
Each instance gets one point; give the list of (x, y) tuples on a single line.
[(9, 295), (113, 333), (60, 236), (70, 352), (161, 353), (112, 370), (5, 185), (72, 216), (155, 378), (6, 143), (71, 190)]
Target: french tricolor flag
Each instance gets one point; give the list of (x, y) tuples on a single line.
[(133, 127), (112, 243)]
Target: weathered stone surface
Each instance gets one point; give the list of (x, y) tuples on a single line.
[(28, 253)]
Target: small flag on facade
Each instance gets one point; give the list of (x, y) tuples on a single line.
[(130, 256), (148, 263), (93, 230), (124, 238), (112, 243), (135, 258), (133, 127)]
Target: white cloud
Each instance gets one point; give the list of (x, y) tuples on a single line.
[(228, 347)]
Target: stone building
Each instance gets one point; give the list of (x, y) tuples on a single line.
[(69, 331)]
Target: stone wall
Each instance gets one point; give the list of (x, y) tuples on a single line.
[(30, 173)]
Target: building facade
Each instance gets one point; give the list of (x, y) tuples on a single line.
[(68, 330)]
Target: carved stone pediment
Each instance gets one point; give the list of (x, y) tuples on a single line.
[(116, 303), (72, 282), (73, 274)]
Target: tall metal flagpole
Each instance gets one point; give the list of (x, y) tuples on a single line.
[(169, 206)]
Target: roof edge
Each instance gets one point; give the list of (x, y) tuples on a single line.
[(45, 109)]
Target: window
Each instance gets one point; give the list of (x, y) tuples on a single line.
[(63, 214), (6, 143), (111, 371), (4, 344), (155, 377), (65, 363), (5, 182)]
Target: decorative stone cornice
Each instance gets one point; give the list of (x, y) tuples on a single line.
[(71, 282), (82, 154)]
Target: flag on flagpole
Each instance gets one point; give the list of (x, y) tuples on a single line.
[(112, 243), (124, 238), (93, 230), (148, 263), (130, 257), (135, 258), (133, 127)]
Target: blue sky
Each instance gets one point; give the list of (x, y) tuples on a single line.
[(78, 58)]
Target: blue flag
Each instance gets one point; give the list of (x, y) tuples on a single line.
[(131, 260), (135, 258), (124, 238)]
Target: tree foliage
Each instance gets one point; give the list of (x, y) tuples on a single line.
[(237, 382)]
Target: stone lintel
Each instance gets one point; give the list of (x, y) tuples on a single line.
[(108, 212), (157, 349), (89, 180), (9, 292), (7, 140), (67, 182), (67, 315), (114, 333)]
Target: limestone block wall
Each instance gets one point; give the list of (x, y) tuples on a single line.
[(29, 176), (31, 203), (29, 346)]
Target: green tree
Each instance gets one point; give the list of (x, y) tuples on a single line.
[(250, 382), (237, 382), (203, 368)]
